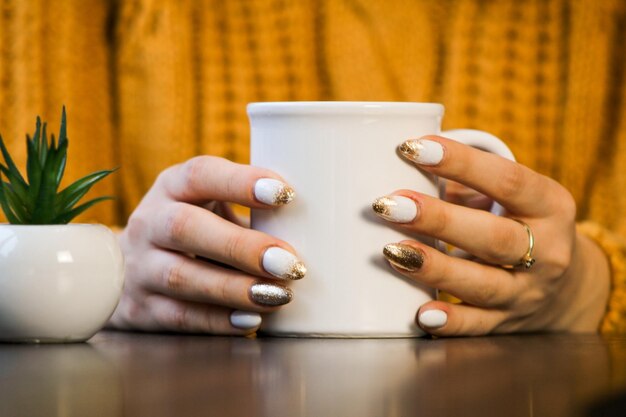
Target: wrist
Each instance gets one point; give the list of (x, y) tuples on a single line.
[(592, 272)]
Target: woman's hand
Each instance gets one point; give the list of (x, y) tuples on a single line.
[(565, 290), (190, 267)]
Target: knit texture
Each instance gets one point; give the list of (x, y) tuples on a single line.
[(615, 248), (151, 83), (49, 56)]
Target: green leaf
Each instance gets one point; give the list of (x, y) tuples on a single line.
[(61, 154), (68, 216), (63, 130), (39, 201), (3, 202), (14, 180), (75, 191), (6, 208), (33, 172), (21, 188), (43, 150), (37, 130), (60, 160), (17, 205), (10, 164), (42, 146), (44, 205)]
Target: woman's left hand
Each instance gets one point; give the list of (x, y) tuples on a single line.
[(565, 290)]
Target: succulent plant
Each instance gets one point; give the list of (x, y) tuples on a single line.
[(38, 200)]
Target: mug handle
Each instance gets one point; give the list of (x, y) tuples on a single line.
[(483, 141)]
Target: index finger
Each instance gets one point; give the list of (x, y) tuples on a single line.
[(517, 188), (208, 178)]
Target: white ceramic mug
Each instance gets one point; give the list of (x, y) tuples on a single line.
[(339, 157)]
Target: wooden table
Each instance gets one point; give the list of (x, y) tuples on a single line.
[(127, 374)]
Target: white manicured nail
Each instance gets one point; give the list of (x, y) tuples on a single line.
[(283, 264), (245, 319), (273, 192), (433, 319), (422, 151), (395, 208)]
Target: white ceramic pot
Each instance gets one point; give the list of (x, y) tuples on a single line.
[(58, 283)]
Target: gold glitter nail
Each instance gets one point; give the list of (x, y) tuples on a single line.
[(297, 270), (270, 294), (411, 149), (382, 206), (404, 256), (284, 195)]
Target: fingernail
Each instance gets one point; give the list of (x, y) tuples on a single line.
[(283, 264), (273, 192), (433, 319), (395, 208), (422, 151), (270, 294), (245, 319), (404, 256)]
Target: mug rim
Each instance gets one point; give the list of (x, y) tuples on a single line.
[(343, 108)]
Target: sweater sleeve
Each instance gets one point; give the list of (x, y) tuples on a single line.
[(614, 246)]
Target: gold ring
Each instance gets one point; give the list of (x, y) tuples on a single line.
[(527, 260)]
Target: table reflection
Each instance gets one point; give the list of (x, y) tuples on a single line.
[(501, 376), (120, 374), (339, 377), (72, 380)]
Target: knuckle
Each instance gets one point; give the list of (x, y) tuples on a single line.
[(529, 295), (460, 326), (132, 268), (504, 242), (136, 228), (165, 175), (191, 172), (133, 312), (482, 327), (213, 324), (487, 294), (531, 301), (565, 255), (231, 185), (222, 288), (439, 222), (176, 223), (194, 172), (179, 317), (436, 276), (234, 246), (511, 181), (560, 262), (174, 276), (216, 290), (123, 315), (566, 206), (169, 180), (508, 324), (493, 322)]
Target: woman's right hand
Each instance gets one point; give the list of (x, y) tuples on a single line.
[(191, 266)]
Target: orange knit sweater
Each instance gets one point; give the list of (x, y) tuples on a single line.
[(149, 83)]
